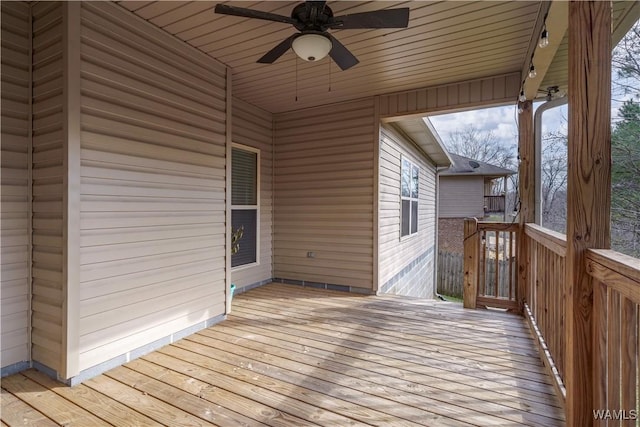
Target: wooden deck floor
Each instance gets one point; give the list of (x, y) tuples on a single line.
[(293, 356)]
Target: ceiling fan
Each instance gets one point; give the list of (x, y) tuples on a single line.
[(313, 20)]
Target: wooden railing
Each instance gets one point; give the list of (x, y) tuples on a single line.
[(615, 313), (494, 203), (616, 322), (490, 264), (544, 305)]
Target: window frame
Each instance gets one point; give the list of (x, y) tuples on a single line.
[(411, 199), (255, 207)]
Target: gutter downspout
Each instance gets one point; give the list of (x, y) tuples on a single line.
[(437, 230), (537, 136)]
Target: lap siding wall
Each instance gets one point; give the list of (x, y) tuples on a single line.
[(152, 209), (324, 189), (15, 209), (253, 127), (406, 264)]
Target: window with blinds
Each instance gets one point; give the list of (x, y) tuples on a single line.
[(409, 198), (245, 194)]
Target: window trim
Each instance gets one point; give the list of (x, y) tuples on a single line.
[(246, 207), (412, 164)]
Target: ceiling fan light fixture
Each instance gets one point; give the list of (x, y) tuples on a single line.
[(311, 47)]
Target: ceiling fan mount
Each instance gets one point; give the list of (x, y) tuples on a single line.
[(311, 17), (313, 20)]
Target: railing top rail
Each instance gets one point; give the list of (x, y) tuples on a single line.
[(550, 239), (497, 226), (618, 271)]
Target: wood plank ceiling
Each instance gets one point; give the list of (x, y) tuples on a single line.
[(446, 42)]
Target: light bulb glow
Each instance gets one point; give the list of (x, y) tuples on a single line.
[(522, 97), (532, 72), (544, 39)]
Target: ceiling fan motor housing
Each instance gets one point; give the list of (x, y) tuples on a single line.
[(312, 15)]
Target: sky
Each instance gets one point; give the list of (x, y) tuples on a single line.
[(502, 121)]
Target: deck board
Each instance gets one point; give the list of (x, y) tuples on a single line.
[(294, 356)]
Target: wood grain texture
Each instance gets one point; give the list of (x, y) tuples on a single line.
[(471, 262), (294, 356), (545, 294), (626, 267), (526, 191), (17, 412), (616, 279), (588, 189), (45, 401), (548, 238)]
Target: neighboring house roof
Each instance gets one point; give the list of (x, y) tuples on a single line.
[(466, 166)]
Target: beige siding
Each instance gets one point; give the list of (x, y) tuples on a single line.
[(324, 194), (405, 263), (253, 127), (474, 93), (461, 196), (15, 145), (152, 213), (48, 193)]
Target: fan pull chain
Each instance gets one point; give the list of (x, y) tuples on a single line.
[(296, 79)]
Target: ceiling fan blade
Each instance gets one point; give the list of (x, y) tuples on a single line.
[(341, 54), (388, 18), (275, 53), (250, 13)]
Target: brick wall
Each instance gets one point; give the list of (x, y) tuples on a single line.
[(451, 235)]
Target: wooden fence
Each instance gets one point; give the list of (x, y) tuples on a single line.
[(451, 275)]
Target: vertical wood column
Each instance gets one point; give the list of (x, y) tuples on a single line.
[(471, 249), (588, 191), (526, 190)]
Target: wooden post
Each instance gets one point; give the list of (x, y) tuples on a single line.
[(588, 192), (526, 190), (471, 243)]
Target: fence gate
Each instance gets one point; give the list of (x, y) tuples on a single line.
[(490, 264)]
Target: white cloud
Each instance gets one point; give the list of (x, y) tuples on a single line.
[(500, 120)]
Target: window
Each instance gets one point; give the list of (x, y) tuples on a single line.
[(409, 197), (245, 193)]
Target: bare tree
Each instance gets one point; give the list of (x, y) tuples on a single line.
[(625, 146), (482, 145), (478, 144), (626, 64), (554, 180)]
